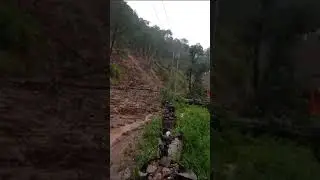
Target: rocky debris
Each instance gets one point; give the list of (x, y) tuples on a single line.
[(170, 149), (155, 171), (175, 149), (170, 146), (128, 106), (168, 117), (134, 95), (126, 174), (152, 167)]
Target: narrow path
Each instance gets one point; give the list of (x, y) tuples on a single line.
[(123, 141), (117, 133)]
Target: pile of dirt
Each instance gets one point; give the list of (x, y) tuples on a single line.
[(136, 73), (139, 92)]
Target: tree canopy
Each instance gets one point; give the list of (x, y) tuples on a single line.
[(128, 30)]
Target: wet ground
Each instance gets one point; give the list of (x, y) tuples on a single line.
[(130, 110)]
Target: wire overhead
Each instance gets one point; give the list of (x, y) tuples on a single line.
[(156, 14), (166, 14)]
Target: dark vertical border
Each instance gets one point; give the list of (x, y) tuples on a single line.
[(214, 122), (107, 97), (59, 139)]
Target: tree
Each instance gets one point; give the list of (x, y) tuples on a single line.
[(123, 20), (195, 70)]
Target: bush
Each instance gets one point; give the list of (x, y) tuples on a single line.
[(115, 73), (167, 95), (197, 92)]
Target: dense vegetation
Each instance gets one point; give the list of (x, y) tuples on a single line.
[(130, 33)]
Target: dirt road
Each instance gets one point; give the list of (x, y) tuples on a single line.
[(130, 110), (123, 142), (130, 107)]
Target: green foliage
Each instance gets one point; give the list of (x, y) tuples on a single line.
[(195, 51), (194, 123), (127, 30), (115, 73), (168, 95), (148, 145), (197, 91), (238, 156), (195, 72)]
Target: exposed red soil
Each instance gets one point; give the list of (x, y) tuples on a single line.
[(137, 98)]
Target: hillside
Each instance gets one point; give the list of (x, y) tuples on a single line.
[(133, 96), (136, 92)]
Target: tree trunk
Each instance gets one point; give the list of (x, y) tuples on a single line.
[(190, 80), (114, 35)]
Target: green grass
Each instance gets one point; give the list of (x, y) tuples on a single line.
[(115, 74), (242, 157), (149, 143), (236, 156), (194, 123)]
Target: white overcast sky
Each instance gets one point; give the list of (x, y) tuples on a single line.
[(186, 19)]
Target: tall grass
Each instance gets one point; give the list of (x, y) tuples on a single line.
[(148, 145), (194, 122)]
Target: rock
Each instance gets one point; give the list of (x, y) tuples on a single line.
[(175, 149), (126, 174), (158, 176), (151, 168), (165, 161), (188, 175), (166, 171)]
